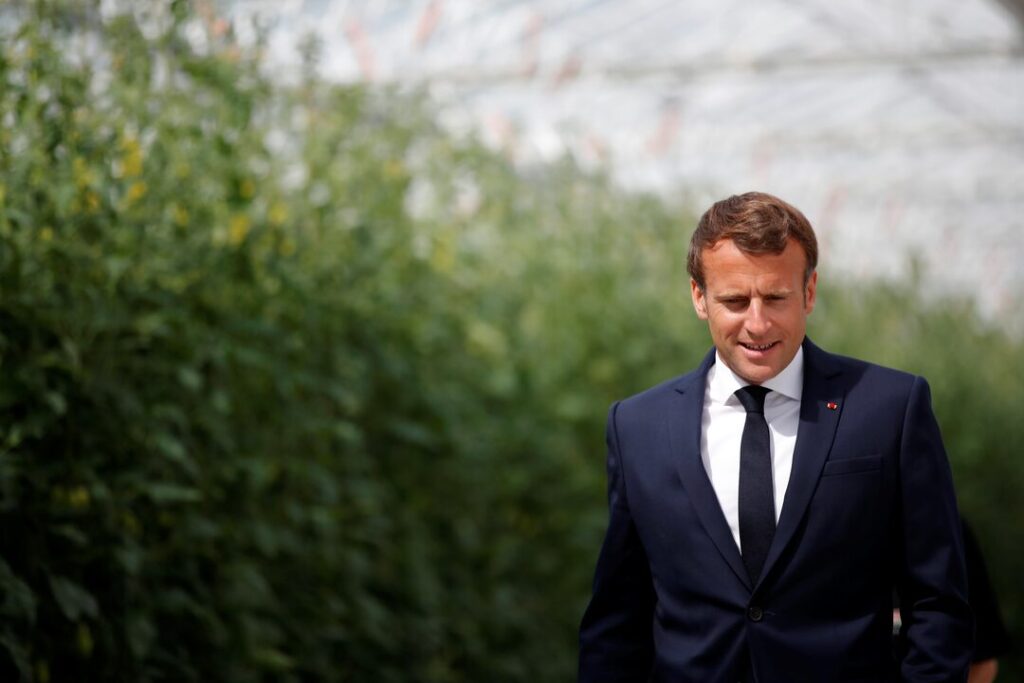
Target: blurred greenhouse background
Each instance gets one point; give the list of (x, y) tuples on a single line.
[(898, 127), (306, 342)]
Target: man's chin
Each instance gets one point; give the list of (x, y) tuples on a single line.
[(755, 373)]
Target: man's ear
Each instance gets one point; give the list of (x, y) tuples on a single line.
[(810, 293), (700, 302)]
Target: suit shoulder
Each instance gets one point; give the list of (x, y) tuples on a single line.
[(662, 390), (876, 376)]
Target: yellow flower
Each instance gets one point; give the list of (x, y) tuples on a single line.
[(442, 258), (46, 234), (181, 215), (278, 213), (238, 228), (394, 169), (92, 201), (136, 191), (79, 497), (247, 189), (81, 172), (131, 162), (84, 639), (131, 524)]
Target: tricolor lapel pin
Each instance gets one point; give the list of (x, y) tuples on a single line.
[(832, 405)]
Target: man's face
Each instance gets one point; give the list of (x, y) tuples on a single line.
[(756, 306)]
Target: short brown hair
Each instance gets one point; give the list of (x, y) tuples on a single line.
[(758, 223)]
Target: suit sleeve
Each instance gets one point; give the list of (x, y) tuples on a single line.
[(616, 640), (937, 625)]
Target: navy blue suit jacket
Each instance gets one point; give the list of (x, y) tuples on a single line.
[(870, 505)]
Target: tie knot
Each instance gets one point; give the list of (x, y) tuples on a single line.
[(752, 397)]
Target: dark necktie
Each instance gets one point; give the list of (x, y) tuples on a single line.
[(756, 493)]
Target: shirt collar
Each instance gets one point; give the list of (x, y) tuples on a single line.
[(723, 382)]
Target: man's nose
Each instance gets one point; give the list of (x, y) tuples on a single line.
[(757, 322)]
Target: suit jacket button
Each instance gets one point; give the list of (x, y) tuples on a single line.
[(755, 613)]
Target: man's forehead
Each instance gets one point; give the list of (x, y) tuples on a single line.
[(730, 244), (727, 258), (727, 289)]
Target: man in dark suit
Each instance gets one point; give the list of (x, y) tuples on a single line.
[(763, 506)]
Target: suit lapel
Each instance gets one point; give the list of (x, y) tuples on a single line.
[(684, 420), (820, 407)]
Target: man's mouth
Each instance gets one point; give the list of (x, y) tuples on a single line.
[(758, 347)]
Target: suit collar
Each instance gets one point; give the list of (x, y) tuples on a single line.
[(722, 382), (696, 380), (820, 409), (685, 433)]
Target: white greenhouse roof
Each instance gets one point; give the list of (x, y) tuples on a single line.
[(898, 127)]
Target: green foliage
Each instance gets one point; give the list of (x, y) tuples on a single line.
[(294, 386)]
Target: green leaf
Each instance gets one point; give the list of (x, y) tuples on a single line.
[(172, 493), (19, 602), (73, 600), (173, 449), (273, 659), (19, 655)]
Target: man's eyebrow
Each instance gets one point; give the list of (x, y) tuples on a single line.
[(724, 296)]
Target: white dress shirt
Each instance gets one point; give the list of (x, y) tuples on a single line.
[(721, 431)]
